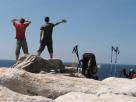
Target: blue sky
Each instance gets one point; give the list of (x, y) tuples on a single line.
[(95, 25)]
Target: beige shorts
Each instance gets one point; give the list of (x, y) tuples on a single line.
[(21, 44)]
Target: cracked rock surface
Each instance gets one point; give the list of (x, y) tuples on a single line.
[(21, 86), (17, 85)]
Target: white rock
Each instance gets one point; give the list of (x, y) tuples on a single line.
[(121, 86), (7, 95), (30, 86), (83, 97)]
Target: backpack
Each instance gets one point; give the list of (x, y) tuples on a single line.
[(89, 67)]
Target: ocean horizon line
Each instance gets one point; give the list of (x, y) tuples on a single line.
[(70, 62)]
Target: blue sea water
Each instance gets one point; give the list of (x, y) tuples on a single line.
[(108, 70), (7, 63), (104, 70)]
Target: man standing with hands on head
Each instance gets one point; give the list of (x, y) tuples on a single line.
[(20, 26), (46, 36)]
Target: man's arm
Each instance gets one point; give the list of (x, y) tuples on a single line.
[(41, 35), (14, 20), (62, 21), (27, 22)]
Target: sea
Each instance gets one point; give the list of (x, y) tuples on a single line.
[(104, 70)]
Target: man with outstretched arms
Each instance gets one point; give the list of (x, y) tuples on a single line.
[(46, 36)]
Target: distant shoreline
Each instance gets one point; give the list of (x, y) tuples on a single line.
[(5, 62)]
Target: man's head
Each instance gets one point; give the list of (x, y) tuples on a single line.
[(46, 19), (22, 20)]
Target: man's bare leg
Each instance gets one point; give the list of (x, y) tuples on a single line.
[(17, 57), (51, 55), (38, 53)]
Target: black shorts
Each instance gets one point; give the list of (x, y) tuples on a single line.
[(48, 44)]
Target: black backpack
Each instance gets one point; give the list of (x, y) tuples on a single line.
[(89, 67)]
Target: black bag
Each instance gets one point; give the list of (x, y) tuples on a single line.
[(89, 67)]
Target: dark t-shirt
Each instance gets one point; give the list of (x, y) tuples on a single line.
[(47, 30)]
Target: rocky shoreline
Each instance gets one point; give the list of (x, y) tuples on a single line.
[(20, 84)]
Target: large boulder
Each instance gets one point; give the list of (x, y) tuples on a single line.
[(7, 95), (62, 88), (83, 97), (31, 87), (47, 85), (119, 86), (36, 64)]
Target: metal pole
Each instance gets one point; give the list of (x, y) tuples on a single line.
[(116, 61), (111, 61)]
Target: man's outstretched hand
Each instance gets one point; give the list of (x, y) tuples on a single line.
[(64, 21)]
